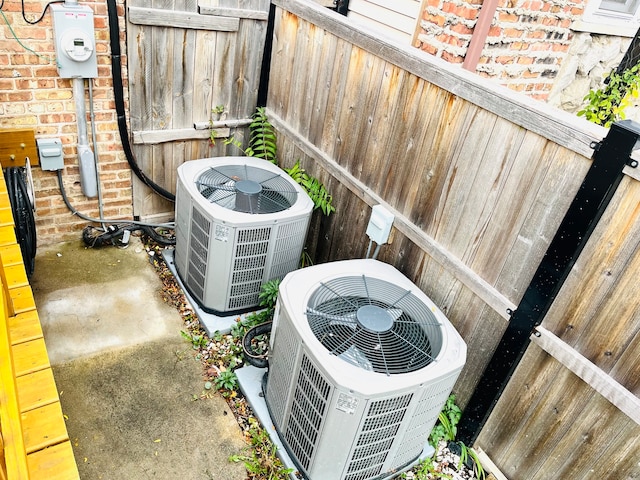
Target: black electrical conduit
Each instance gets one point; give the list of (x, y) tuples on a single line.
[(23, 217), (116, 75), (92, 238)]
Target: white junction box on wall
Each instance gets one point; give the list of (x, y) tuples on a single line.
[(75, 40), (380, 224)]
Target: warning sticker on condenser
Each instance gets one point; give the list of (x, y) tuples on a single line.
[(347, 403), (221, 233)]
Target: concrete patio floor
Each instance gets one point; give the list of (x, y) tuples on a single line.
[(128, 382)]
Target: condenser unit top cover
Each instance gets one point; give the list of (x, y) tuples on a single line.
[(238, 190), (370, 326)]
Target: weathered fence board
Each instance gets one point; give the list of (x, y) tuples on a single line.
[(593, 330), (186, 59), (156, 16), (479, 191), (479, 180), (595, 377)]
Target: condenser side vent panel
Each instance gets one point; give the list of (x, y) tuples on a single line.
[(307, 411), (199, 245)]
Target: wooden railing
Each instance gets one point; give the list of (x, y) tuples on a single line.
[(34, 443)]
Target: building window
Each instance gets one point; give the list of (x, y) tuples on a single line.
[(610, 17), (624, 7)]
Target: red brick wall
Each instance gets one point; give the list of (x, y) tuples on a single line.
[(32, 95), (526, 44)]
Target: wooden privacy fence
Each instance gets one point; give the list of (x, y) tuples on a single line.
[(186, 58), (479, 179)]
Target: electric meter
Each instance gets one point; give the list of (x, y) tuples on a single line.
[(75, 40), (77, 45)]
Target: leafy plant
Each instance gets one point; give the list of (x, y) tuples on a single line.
[(217, 112), (446, 427), (197, 340), (606, 105), (305, 259), (426, 470), (226, 380), (318, 193), (468, 455), (261, 460), (262, 138), (241, 326), (269, 294)]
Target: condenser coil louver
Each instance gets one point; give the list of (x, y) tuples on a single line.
[(240, 222), (361, 364)]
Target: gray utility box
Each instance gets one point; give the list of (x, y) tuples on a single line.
[(75, 41), (50, 153)]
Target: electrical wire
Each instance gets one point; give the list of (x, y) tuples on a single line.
[(23, 217), (39, 19), (259, 360), (92, 116), (89, 235), (375, 252), (6, 20)]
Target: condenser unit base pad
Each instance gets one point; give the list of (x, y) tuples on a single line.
[(210, 322), (250, 381)]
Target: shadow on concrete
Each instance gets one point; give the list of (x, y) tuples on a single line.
[(129, 384)]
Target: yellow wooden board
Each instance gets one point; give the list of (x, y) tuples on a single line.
[(7, 235), (24, 327), (15, 276), (11, 254), (14, 449), (6, 216), (22, 298), (30, 357), (53, 463), (43, 427), (16, 145), (36, 390)]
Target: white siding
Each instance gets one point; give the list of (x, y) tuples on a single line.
[(394, 18)]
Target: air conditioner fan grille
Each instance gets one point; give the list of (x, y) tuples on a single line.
[(243, 188), (374, 325)]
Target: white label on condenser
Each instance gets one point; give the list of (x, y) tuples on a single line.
[(221, 233), (347, 403)]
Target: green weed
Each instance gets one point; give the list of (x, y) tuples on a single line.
[(261, 460)]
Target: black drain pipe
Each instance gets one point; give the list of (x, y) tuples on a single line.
[(118, 89), (342, 6), (265, 71), (599, 185)]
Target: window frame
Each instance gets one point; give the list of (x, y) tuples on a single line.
[(608, 22)]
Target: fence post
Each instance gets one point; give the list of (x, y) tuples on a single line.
[(597, 189)]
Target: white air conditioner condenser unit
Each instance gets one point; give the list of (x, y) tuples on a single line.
[(240, 222), (361, 363)]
